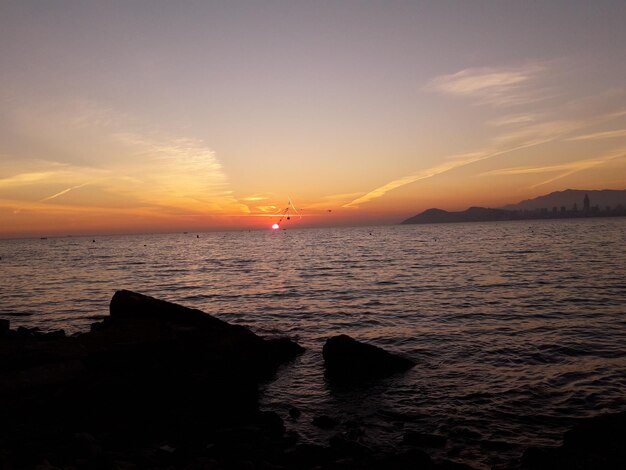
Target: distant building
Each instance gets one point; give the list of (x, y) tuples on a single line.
[(586, 203)]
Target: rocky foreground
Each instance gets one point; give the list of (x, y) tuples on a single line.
[(158, 385)]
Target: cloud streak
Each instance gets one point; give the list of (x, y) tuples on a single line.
[(582, 165), (26, 178), (601, 135), (127, 163), (65, 191), (456, 162), (565, 169), (521, 138), (498, 86)]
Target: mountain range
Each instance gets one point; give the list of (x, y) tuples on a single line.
[(556, 205), (569, 197)]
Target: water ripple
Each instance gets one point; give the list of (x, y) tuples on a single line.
[(515, 335)]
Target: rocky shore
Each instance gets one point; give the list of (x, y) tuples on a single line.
[(158, 385)]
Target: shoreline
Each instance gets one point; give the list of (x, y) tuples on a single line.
[(154, 385)]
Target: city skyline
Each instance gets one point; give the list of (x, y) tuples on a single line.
[(161, 116)]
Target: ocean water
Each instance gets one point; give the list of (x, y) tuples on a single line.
[(518, 328)]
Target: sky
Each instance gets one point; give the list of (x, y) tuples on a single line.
[(140, 116)]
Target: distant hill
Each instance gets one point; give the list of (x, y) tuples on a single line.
[(473, 214), (558, 205), (569, 197)]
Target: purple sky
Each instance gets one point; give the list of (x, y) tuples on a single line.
[(214, 113)]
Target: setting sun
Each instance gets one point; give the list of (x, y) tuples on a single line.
[(447, 181)]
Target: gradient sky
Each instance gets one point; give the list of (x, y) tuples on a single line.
[(122, 116)]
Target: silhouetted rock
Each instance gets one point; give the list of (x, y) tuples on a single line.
[(421, 439), (270, 423), (4, 327), (307, 455), (172, 322), (594, 443), (324, 422), (151, 372), (282, 349), (346, 446), (605, 433), (412, 458), (348, 360), (294, 412), (54, 334), (451, 465)]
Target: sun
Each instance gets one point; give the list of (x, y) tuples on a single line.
[(275, 226)]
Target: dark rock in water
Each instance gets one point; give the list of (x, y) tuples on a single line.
[(451, 465), (309, 454), (283, 348), (421, 439), (605, 433), (172, 322), (496, 445), (127, 306), (594, 443), (412, 458), (85, 445), (324, 422), (27, 332), (54, 334), (4, 327), (537, 458), (344, 446), (270, 422), (151, 372), (348, 360), (294, 412), (291, 438)]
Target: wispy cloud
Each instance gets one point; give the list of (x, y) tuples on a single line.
[(65, 191), (265, 209), (499, 86), (538, 132), (517, 139), (531, 134), (333, 200), (564, 169), (451, 164), (527, 170), (601, 135), (514, 120), (126, 162), (26, 178), (575, 167)]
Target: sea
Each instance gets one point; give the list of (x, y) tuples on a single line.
[(518, 328)]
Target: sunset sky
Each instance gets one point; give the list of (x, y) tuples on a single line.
[(125, 116)]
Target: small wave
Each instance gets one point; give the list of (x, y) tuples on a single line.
[(95, 317), (505, 347), (314, 274), (9, 313)]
